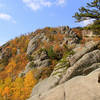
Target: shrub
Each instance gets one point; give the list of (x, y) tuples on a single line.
[(32, 65), (30, 58), (51, 53)]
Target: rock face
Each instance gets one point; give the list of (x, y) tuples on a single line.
[(41, 59), (59, 69), (87, 33), (65, 82), (68, 81), (33, 44), (89, 46), (78, 88), (79, 67), (44, 86), (71, 38)]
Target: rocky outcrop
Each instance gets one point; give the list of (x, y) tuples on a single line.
[(65, 78), (81, 65), (87, 61), (44, 63), (39, 61), (60, 68), (89, 46), (71, 38), (78, 88), (51, 82), (87, 33), (33, 44)]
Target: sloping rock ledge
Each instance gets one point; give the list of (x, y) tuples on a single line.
[(78, 88)]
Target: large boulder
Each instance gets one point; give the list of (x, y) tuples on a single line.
[(80, 66), (78, 88)]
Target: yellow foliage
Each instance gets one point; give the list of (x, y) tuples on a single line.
[(6, 91), (29, 82)]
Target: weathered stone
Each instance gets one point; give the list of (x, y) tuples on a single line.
[(87, 48), (43, 63), (83, 63), (32, 46), (44, 86), (43, 55), (54, 94), (90, 68), (78, 88), (87, 33), (59, 69)]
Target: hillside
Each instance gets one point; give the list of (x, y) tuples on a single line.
[(45, 59)]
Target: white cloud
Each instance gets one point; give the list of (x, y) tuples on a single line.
[(33, 6), (7, 17), (38, 4), (87, 22), (61, 2), (47, 3)]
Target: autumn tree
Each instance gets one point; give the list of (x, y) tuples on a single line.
[(6, 93), (11, 66), (29, 82), (18, 89)]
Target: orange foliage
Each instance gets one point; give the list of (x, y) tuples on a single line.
[(58, 37), (6, 91), (57, 48), (47, 45), (18, 89), (29, 82), (78, 32)]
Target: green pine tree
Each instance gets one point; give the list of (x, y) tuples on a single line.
[(91, 11)]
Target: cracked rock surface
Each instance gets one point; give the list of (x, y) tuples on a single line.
[(78, 88)]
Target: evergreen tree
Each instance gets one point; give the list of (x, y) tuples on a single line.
[(91, 11)]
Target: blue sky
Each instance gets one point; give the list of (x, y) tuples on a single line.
[(22, 16)]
